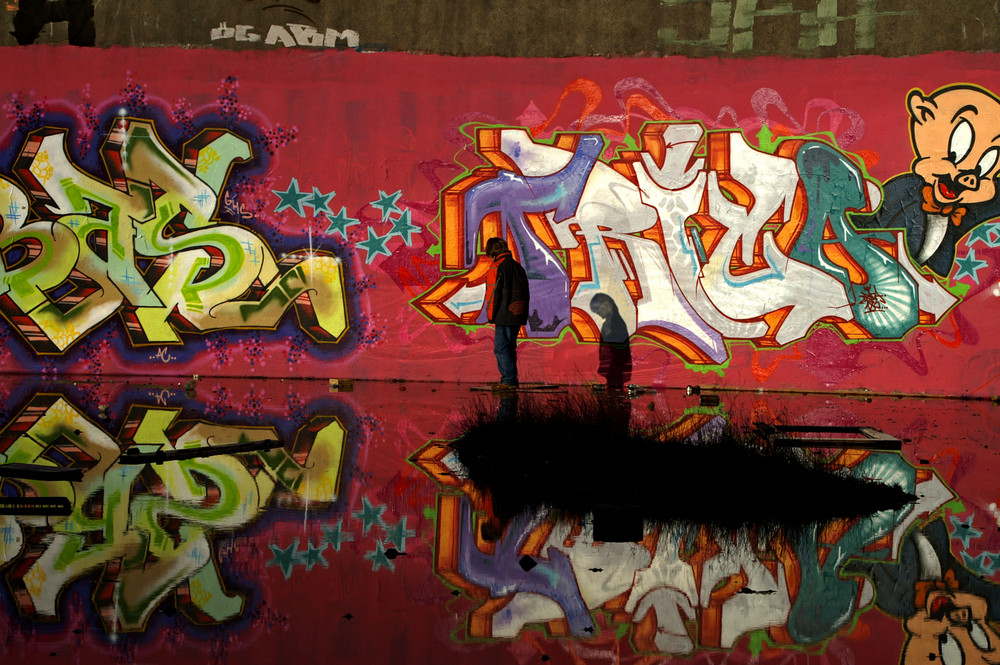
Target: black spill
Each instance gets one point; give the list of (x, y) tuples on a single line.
[(582, 456)]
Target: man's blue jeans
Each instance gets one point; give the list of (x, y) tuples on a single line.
[(505, 349)]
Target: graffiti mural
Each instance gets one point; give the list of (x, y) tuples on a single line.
[(684, 588), (698, 238), (146, 531), (191, 226), (146, 247)]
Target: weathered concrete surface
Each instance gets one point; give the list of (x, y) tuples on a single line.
[(528, 28)]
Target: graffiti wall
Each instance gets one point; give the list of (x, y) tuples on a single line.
[(774, 223)]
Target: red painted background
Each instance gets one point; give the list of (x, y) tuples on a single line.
[(365, 126)]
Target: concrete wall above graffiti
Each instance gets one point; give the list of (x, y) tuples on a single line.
[(519, 27)]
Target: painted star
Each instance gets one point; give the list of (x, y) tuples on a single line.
[(374, 246), (318, 201), (378, 557), (402, 227), (291, 198), (988, 234), (335, 535), (398, 534), (963, 531), (340, 222), (976, 564), (314, 555), (387, 202), (286, 557), (970, 266), (369, 515)]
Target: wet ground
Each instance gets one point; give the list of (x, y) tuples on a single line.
[(346, 530)]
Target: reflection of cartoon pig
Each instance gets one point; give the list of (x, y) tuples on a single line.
[(951, 629), (955, 133)]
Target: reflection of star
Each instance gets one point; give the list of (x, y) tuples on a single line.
[(403, 228), (314, 555), (340, 222), (285, 558), (398, 534), (291, 198), (335, 535), (374, 246), (988, 234), (970, 266), (963, 531), (369, 515), (378, 557), (387, 202), (975, 564), (318, 202)]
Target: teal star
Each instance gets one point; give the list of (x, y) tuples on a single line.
[(963, 531), (286, 558), (976, 564), (314, 555), (988, 233), (335, 535), (378, 557), (398, 534), (374, 246), (318, 202), (340, 222), (387, 202), (369, 515), (970, 266), (994, 558), (291, 198), (402, 227)]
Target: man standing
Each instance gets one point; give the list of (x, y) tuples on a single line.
[(506, 307)]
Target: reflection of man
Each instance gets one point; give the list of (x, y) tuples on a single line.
[(506, 307)]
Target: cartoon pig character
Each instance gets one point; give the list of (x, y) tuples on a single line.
[(955, 133)]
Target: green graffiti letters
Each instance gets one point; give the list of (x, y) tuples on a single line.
[(146, 246), (145, 531)]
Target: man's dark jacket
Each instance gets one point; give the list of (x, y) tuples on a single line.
[(507, 292)]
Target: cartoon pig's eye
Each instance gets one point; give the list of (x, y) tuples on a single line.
[(987, 162), (961, 141), (951, 650), (979, 636)]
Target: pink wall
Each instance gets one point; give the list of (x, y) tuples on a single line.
[(181, 202)]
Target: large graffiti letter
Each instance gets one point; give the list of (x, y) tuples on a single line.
[(146, 246)]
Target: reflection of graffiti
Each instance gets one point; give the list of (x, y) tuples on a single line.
[(146, 531), (146, 247), (681, 588), (698, 238)]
